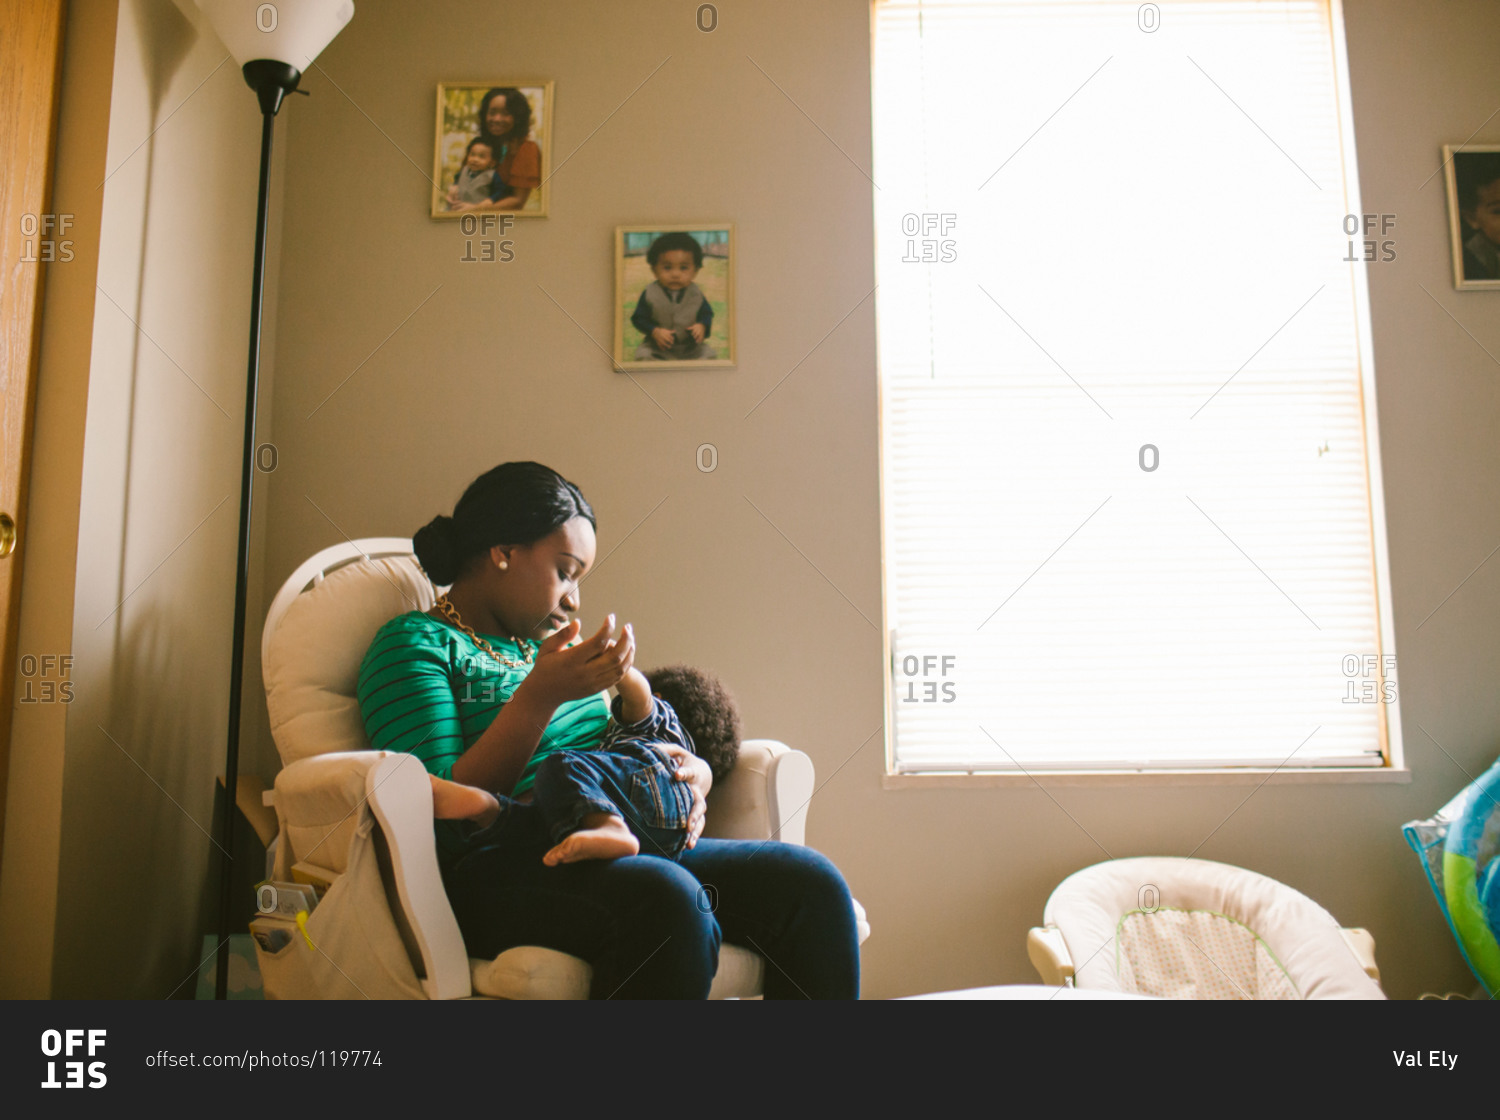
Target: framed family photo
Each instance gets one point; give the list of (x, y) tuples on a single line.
[(674, 296), (1472, 172), (494, 148)]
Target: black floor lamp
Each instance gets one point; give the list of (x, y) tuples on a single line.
[(273, 43)]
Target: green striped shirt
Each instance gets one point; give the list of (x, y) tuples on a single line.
[(425, 688)]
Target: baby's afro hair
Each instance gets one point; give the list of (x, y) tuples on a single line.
[(670, 242), (707, 713)]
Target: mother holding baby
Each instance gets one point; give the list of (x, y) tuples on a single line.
[(492, 680), (514, 158)]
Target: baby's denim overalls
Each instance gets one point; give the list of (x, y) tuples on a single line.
[(626, 775)]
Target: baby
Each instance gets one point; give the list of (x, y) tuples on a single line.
[(472, 183), (1479, 203), (620, 798), (672, 313)]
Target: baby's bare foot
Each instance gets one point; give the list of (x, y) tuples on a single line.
[(453, 801), (609, 839)]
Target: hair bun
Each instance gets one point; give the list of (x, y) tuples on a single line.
[(436, 547)]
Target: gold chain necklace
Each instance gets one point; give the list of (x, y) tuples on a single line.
[(450, 612)]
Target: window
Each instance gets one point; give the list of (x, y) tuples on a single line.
[(1132, 502)]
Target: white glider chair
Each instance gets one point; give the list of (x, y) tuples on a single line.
[(1195, 929), (361, 820)]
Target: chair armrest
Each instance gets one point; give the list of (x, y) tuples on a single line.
[(1049, 956), (317, 806), (1362, 944), (765, 797), (400, 795), (320, 801)]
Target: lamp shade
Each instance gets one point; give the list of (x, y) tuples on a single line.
[(293, 32)]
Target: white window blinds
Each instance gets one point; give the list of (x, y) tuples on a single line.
[(1131, 503)]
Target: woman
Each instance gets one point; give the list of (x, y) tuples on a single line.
[(485, 684), (505, 124)]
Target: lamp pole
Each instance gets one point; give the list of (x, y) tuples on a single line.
[(259, 36), (271, 81)]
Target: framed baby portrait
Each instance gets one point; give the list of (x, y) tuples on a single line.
[(494, 148), (674, 296), (1472, 172)]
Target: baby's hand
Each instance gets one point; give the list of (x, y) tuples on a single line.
[(663, 338), (696, 330)]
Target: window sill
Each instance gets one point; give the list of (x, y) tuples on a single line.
[(1236, 777)]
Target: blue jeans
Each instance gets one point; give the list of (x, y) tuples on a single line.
[(651, 928), (629, 779)]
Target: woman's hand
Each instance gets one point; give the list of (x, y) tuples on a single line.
[(699, 778), (563, 673)]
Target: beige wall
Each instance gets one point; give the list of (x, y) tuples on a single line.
[(146, 514), (1422, 76), (490, 369)]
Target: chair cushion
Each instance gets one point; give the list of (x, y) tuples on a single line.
[(312, 661), (741, 974), (861, 922), (530, 972)]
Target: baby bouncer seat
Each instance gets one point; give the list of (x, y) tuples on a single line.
[(1196, 929)]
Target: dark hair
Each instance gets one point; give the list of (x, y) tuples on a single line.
[(520, 112), (707, 713), (486, 141), (668, 242), (515, 503), (1473, 171)]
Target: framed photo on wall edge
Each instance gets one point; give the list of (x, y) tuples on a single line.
[(1472, 173)]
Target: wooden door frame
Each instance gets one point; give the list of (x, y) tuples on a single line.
[(31, 50)]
